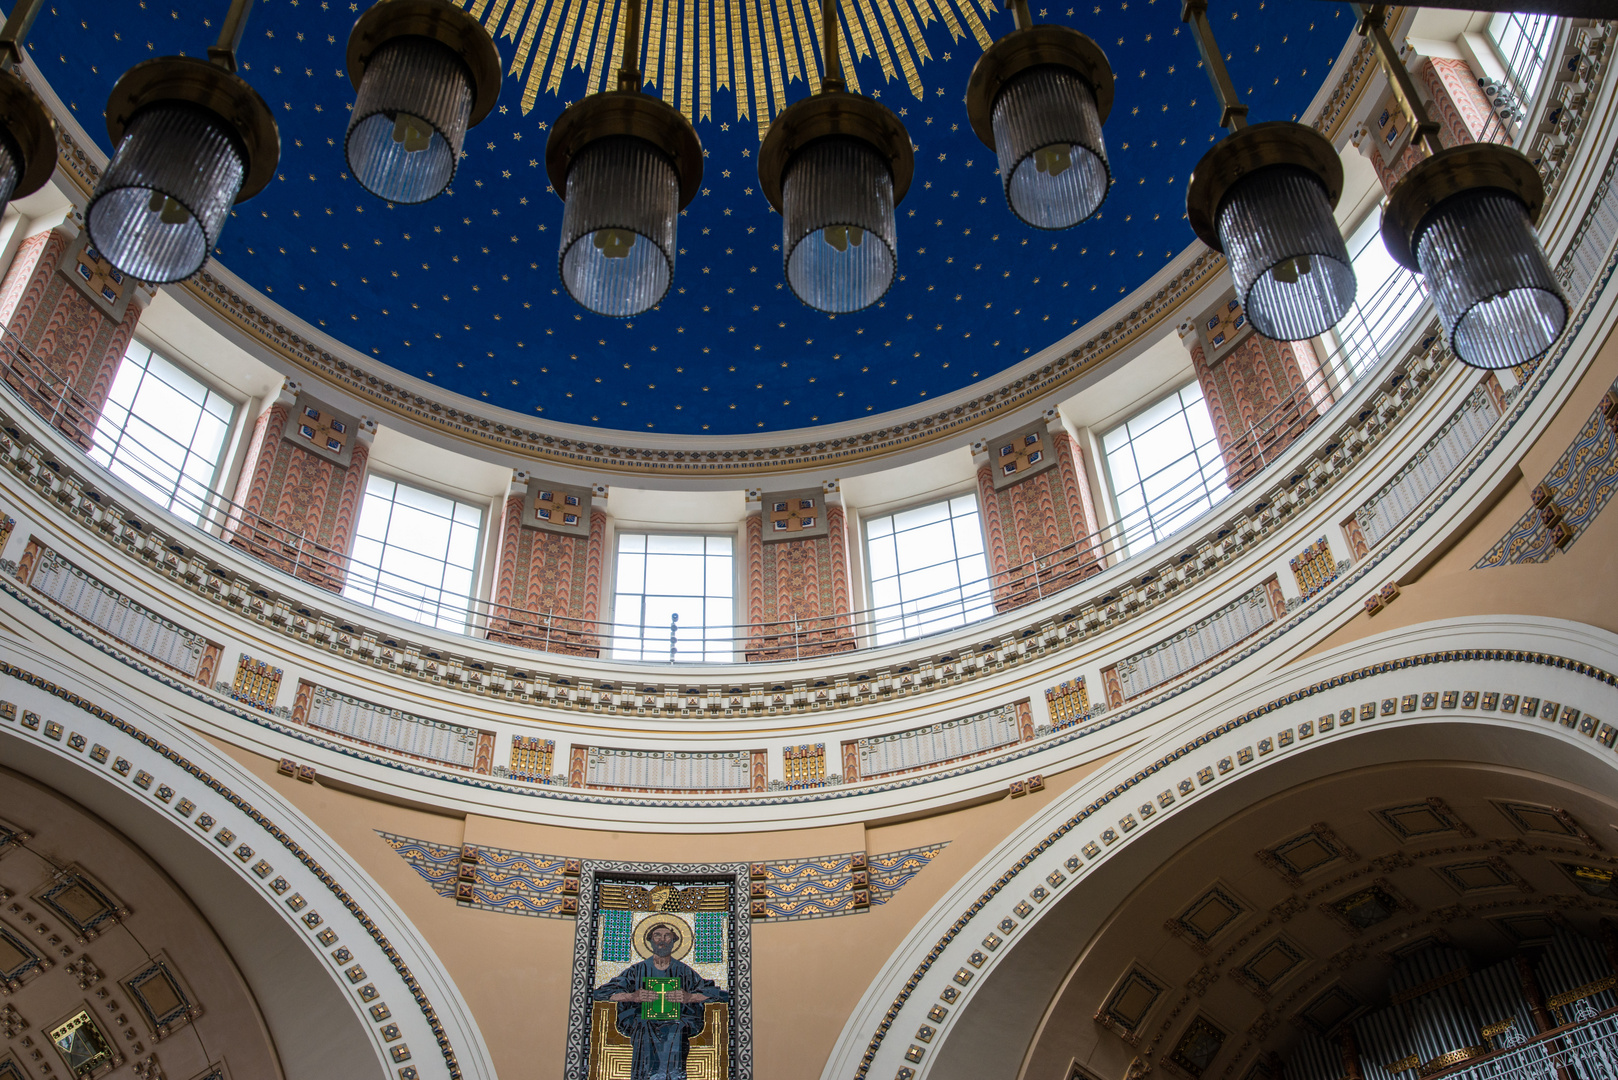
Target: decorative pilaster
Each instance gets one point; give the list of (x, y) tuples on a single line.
[(1037, 519), (302, 481), (1450, 91), (595, 563), (68, 317), (1261, 394), (542, 580), (753, 567), (994, 532), (797, 574), (1458, 102)]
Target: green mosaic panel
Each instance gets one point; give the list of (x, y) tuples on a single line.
[(615, 928), (709, 948)]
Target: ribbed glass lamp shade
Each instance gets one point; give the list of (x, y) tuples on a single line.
[(618, 226), (10, 166), (163, 198), (410, 119), (837, 225), (1489, 280), (1291, 266), (1047, 134)]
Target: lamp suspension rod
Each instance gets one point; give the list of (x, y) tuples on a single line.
[(629, 68), (1020, 17), (832, 61), (16, 28), (1373, 19), (223, 51), (1232, 114)]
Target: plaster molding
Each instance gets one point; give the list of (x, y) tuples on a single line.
[(359, 936), (1360, 689)]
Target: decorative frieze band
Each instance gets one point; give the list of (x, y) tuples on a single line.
[(406, 733), (938, 744), (116, 615), (1195, 645), (683, 771)]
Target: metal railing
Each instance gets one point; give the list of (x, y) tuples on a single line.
[(292, 552), (1586, 1049)]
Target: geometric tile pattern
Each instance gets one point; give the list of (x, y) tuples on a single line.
[(523, 883), (1580, 483)]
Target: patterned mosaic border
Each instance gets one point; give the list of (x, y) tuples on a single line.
[(262, 871), (1580, 484), (526, 883), (741, 990)]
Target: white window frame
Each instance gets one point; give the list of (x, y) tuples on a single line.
[(1137, 533), (974, 606), (210, 496), (477, 569), (684, 647)]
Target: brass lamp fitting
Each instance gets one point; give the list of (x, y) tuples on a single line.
[(828, 113), (1248, 149), (209, 86), (440, 21), (1025, 48), (1450, 172)]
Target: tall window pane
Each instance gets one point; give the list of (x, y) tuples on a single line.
[(1165, 467), (674, 599), (928, 569), (1387, 298), (415, 554), (162, 432), (1522, 39)]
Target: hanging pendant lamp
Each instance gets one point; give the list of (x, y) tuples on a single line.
[(1037, 98), (625, 164), (191, 138), (1263, 196), (425, 71), (27, 132), (1463, 217), (835, 165)]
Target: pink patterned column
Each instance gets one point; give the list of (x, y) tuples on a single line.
[(253, 484), (595, 561), (506, 554), (1076, 489), (837, 532), (73, 343), (1459, 103), (348, 509), (754, 543), (994, 532)]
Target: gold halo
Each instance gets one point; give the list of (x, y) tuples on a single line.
[(673, 922)]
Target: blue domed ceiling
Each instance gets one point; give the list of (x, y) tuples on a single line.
[(463, 291)]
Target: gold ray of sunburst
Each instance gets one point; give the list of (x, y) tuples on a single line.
[(755, 49)]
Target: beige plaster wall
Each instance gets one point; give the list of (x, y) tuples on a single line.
[(514, 970)]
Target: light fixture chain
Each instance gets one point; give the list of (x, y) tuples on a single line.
[(1232, 114), (223, 51), (1373, 20), (16, 28)]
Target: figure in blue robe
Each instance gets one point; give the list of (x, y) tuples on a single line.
[(659, 1046)]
